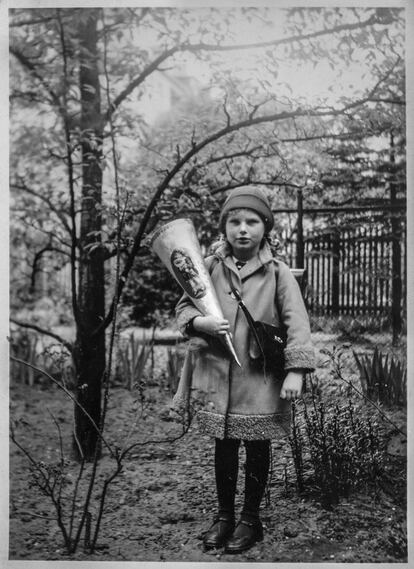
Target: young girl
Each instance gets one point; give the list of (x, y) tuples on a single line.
[(244, 403)]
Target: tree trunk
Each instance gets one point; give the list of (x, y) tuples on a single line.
[(90, 345)]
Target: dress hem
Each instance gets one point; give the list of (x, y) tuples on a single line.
[(246, 427)]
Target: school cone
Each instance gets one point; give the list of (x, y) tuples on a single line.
[(177, 246)]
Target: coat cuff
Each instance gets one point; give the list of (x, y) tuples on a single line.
[(185, 317), (300, 357)]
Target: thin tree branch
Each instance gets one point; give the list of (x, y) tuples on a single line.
[(25, 62), (384, 77), (45, 486), (127, 450), (32, 225), (272, 183), (389, 101), (65, 343), (38, 255), (22, 186), (154, 65), (138, 80), (62, 457), (340, 136), (30, 22), (119, 225), (300, 37), (73, 229)]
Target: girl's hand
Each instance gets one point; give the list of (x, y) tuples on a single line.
[(292, 386), (211, 325)]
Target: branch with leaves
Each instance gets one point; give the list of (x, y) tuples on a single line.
[(194, 150), (204, 47)]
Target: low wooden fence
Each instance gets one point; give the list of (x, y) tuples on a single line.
[(356, 270)]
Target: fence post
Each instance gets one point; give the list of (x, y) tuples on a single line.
[(396, 281), (335, 271), (300, 247), (396, 287)]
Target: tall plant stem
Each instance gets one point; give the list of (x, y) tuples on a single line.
[(339, 375), (108, 368), (70, 171)]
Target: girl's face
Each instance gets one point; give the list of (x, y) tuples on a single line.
[(244, 231)]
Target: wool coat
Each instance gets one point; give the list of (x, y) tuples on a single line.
[(244, 402)]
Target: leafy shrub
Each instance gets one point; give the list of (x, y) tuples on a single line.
[(56, 360), (333, 450), (383, 378), (396, 540)]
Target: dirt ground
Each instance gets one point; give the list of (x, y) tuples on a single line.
[(163, 500)]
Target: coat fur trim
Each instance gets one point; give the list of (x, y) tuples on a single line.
[(302, 357), (246, 427)]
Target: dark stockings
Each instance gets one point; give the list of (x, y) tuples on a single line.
[(257, 470), (226, 463)]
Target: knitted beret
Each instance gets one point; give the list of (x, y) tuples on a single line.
[(248, 197)]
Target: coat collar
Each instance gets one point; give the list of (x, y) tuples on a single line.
[(224, 253)]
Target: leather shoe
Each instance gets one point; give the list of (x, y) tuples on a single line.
[(218, 533), (244, 536)]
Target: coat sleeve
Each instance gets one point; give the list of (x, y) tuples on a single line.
[(299, 352), (185, 309)]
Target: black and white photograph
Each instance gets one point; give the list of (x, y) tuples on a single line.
[(206, 336)]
